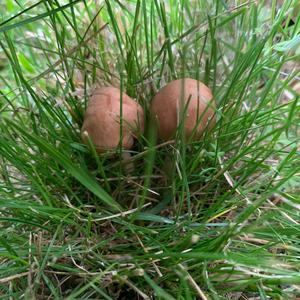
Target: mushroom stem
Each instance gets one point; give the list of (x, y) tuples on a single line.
[(128, 164)]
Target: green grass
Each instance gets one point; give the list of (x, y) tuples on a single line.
[(216, 219)]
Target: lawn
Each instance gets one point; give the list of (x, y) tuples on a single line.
[(213, 218)]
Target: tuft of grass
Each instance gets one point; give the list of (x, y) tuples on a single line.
[(215, 219)]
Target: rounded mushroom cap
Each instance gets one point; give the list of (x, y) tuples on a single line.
[(102, 119), (183, 97)]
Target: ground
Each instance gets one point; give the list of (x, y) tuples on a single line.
[(217, 218)]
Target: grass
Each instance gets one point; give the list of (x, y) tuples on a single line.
[(216, 219)]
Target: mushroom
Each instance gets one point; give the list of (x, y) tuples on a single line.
[(184, 99), (102, 120)]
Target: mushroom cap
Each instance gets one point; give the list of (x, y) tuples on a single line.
[(102, 119), (197, 106)]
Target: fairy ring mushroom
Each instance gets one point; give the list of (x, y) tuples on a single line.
[(186, 100), (103, 119)]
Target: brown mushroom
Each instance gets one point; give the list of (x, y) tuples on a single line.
[(183, 99), (102, 120)]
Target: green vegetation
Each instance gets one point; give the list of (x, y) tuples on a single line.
[(217, 219)]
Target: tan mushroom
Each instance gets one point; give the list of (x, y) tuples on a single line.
[(183, 98), (102, 120)]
